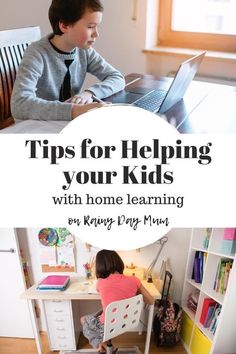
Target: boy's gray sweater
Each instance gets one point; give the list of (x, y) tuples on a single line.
[(41, 74)]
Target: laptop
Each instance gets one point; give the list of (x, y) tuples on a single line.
[(159, 100)]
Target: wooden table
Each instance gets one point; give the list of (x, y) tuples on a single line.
[(205, 108)]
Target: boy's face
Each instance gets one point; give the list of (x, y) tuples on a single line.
[(82, 33)]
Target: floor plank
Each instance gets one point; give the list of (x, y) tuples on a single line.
[(27, 346)]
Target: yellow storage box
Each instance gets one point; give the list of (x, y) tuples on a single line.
[(200, 343), (186, 329)]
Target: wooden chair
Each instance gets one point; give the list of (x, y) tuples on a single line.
[(12, 46)]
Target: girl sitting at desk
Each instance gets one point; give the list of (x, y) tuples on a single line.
[(112, 285)]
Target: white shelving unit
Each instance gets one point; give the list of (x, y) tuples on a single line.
[(196, 338)]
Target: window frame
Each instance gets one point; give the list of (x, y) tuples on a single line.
[(168, 37)]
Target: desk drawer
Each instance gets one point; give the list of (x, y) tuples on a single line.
[(61, 339), (61, 343), (60, 323), (54, 307), (61, 332)]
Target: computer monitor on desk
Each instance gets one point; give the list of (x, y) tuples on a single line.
[(161, 100)]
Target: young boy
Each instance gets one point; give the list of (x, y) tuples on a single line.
[(53, 69)]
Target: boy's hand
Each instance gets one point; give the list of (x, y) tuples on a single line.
[(82, 98), (78, 109)]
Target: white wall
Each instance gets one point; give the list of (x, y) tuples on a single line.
[(176, 250), (121, 39), (24, 13)]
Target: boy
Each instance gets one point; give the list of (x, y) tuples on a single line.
[(53, 69)]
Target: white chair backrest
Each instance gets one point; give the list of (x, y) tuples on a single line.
[(121, 316), (19, 36)]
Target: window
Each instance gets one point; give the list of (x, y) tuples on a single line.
[(200, 24)]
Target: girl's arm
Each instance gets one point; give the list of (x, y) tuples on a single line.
[(148, 299)]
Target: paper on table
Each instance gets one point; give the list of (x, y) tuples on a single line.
[(85, 287)]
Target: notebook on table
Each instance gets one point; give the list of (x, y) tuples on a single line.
[(54, 282), (159, 100)]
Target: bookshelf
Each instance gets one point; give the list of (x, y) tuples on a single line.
[(217, 334)]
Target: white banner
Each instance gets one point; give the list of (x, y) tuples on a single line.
[(118, 177)]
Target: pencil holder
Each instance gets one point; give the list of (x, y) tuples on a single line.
[(88, 270), (88, 274)]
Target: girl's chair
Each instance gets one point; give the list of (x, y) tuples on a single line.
[(122, 316)]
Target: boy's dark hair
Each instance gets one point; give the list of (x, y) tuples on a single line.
[(108, 262), (70, 11)]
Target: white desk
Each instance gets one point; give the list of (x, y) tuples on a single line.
[(36, 127), (76, 291)]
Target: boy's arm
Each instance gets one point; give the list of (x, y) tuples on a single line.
[(148, 299), (26, 105), (111, 79), (24, 102)]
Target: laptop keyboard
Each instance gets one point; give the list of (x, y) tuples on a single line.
[(152, 101)]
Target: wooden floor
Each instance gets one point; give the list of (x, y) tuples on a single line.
[(27, 346)]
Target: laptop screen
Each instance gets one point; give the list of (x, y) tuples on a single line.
[(181, 82)]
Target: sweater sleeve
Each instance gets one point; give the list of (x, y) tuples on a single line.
[(111, 79), (24, 102)]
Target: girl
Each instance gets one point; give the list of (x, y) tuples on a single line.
[(112, 285)]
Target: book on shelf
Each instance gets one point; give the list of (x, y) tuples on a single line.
[(198, 266), (207, 238), (228, 245), (215, 318), (210, 314), (208, 302), (229, 234), (197, 270), (192, 301), (54, 282), (222, 275)]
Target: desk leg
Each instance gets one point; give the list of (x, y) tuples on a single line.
[(149, 329), (35, 327)]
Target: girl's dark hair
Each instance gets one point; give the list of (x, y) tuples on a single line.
[(108, 262), (70, 11)]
